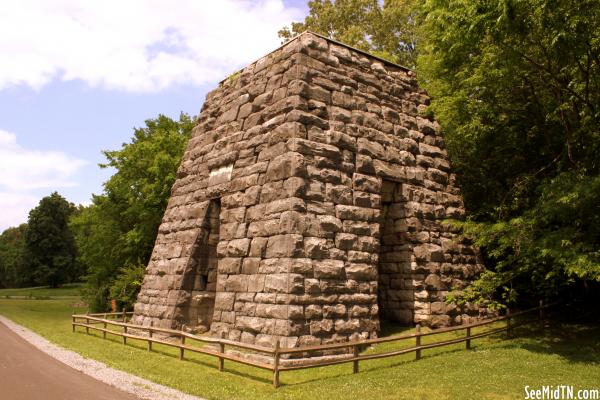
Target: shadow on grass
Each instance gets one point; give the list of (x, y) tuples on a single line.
[(574, 342), (247, 375), (173, 353), (365, 368), (577, 343), (389, 328)]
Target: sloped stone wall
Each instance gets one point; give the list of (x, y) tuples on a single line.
[(332, 189)]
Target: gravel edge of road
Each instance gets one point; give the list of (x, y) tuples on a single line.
[(124, 381)]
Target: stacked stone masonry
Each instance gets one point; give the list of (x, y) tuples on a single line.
[(309, 205)]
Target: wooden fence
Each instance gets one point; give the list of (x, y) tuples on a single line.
[(274, 355)]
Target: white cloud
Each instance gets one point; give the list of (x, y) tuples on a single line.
[(22, 171), (15, 208), (134, 45)]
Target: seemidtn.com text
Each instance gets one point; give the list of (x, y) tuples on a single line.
[(560, 392)]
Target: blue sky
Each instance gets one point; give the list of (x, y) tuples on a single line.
[(76, 77)]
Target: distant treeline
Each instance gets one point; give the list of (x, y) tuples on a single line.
[(107, 244)]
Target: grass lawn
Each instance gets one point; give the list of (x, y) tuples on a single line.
[(494, 369), (43, 292)]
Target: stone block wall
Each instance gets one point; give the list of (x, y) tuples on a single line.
[(331, 188)]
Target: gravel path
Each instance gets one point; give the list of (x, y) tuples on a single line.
[(123, 381)]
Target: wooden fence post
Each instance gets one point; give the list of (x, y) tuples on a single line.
[(355, 354), (508, 324), (418, 338), (124, 333), (87, 322), (150, 333), (221, 351), (73, 319), (468, 338), (104, 325), (182, 344), (276, 366), (124, 316)]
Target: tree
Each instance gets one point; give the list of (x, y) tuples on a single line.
[(387, 29), (116, 233), (50, 252), (12, 271), (515, 86)]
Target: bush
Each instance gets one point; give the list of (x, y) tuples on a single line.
[(126, 286)]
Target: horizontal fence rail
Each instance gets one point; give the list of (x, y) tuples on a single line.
[(217, 346)]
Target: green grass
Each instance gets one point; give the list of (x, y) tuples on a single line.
[(43, 292), (494, 369)]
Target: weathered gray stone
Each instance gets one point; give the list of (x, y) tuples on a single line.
[(236, 283), (329, 223), (285, 166), (322, 327), (290, 245), (328, 269), (256, 283), (361, 272), (316, 248), (230, 265), (335, 311), (277, 283), (308, 205), (224, 301), (310, 148), (313, 312)]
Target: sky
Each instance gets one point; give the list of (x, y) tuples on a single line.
[(77, 76)]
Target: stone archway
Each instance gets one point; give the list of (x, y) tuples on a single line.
[(395, 294), (200, 280)]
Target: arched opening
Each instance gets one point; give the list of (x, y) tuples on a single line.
[(201, 279), (395, 293)]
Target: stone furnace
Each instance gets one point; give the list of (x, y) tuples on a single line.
[(309, 205)]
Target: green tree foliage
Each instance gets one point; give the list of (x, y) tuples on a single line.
[(12, 270), (387, 29), (118, 230), (50, 256), (515, 86), (127, 285)]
